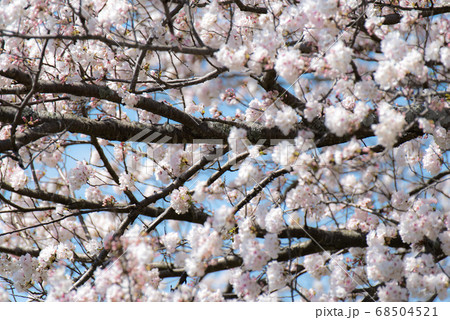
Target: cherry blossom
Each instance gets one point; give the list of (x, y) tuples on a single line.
[(224, 150)]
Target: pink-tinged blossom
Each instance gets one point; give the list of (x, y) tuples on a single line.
[(185, 293), (315, 265), (392, 292), (3, 295), (120, 152), (146, 116), (379, 236), (432, 160), (343, 280), (237, 140), (60, 284), (5, 132), (424, 277), (254, 111), (180, 259), (313, 110), (250, 249), (391, 124), (270, 115), (26, 272), (419, 221), (194, 267), (432, 50), (249, 174), (382, 265), (244, 285), (274, 220), (253, 254), (268, 297), (65, 251), (209, 18), (255, 152), (232, 58), (152, 278), (304, 141), (438, 283), (400, 200), (94, 194), (205, 243), (215, 190), (289, 64), (286, 119), (303, 196), (292, 19), (50, 159), (441, 137), (93, 246), (175, 159), (426, 125), (444, 54), (229, 96), (180, 200), (153, 295), (79, 175), (126, 181), (130, 99), (260, 213), (284, 154), (85, 293), (200, 192), (271, 245), (170, 241), (387, 75), (192, 108), (338, 120), (372, 22), (365, 89), (48, 254), (12, 10), (363, 221), (131, 269), (204, 294), (114, 12), (223, 219), (352, 149), (394, 46), (267, 40), (409, 153), (345, 187), (260, 60), (326, 8), (275, 275), (339, 57), (18, 178), (413, 63)]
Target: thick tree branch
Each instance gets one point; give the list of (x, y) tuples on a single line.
[(103, 93), (244, 7), (114, 42), (111, 129), (194, 214), (395, 18)]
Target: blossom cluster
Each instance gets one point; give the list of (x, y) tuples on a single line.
[(333, 117)]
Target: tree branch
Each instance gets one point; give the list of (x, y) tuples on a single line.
[(115, 43)]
